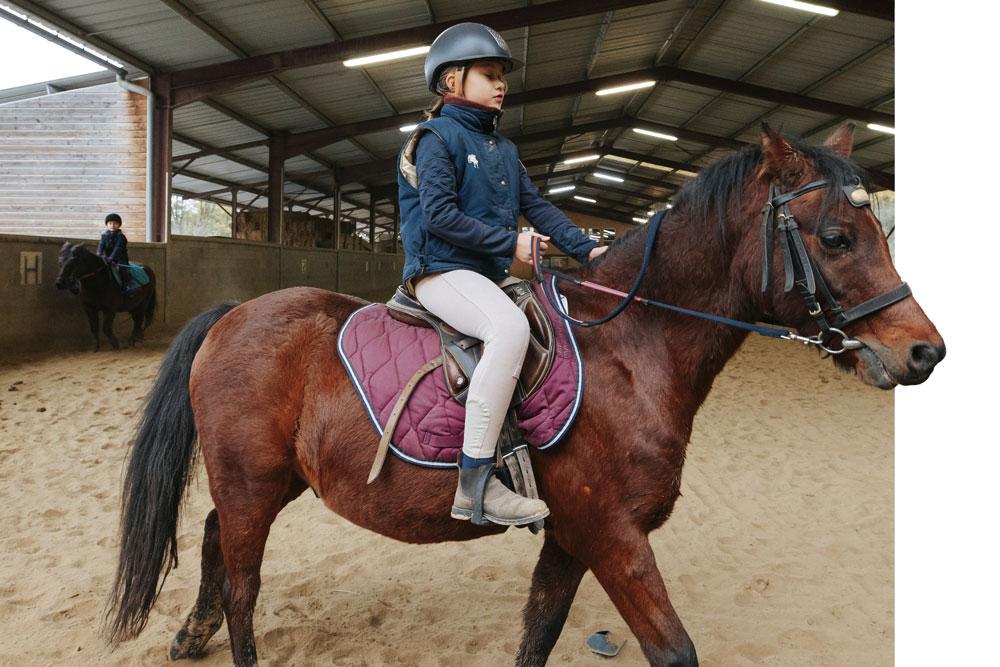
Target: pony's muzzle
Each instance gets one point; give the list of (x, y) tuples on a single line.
[(922, 360)]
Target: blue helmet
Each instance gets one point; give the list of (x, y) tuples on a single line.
[(464, 43)]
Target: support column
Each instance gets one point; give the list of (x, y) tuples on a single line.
[(162, 129), (236, 211), (371, 221), (275, 187), (336, 218)]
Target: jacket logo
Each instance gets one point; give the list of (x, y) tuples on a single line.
[(473, 160)]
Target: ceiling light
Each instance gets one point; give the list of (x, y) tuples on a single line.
[(586, 199), (582, 158), (640, 219), (626, 88), (669, 206), (408, 128), (562, 188), (658, 135), (385, 57), (805, 6), (881, 128), (618, 158), (608, 177), (658, 167)]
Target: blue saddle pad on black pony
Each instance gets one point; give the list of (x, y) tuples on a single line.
[(137, 276)]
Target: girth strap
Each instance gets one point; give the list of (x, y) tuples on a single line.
[(397, 410)]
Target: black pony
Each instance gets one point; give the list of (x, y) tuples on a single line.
[(99, 292)]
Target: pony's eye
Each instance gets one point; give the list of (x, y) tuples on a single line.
[(835, 241)]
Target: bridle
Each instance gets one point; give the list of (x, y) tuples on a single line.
[(799, 272), (91, 274)]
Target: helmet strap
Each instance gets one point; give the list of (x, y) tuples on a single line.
[(460, 81)]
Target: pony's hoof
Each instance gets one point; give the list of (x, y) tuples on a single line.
[(186, 645)]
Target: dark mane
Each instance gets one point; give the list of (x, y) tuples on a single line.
[(718, 187)]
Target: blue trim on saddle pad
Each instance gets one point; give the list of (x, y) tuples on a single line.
[(579, 372), (370, 411)]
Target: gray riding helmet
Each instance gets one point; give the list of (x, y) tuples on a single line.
[(463, 43)]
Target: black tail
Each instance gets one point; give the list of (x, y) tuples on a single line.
[(157, 474)]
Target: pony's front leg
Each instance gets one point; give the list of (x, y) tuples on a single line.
[(553, 587), (136, 335), (94, 325), (627, 571), (109, 330)]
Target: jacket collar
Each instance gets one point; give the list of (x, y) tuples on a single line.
[(470, 115)]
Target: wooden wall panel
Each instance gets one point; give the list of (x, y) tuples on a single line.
[(68, 159)]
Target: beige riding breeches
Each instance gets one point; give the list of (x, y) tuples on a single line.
[(476, 306)]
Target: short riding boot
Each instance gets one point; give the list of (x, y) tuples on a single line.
[(499, 504)]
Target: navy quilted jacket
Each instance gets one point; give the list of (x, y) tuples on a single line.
[(461, 192), (114, 246)]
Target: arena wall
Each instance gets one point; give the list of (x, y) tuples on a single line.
[(192, 274)]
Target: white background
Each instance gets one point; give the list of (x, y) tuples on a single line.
[(947, 467)]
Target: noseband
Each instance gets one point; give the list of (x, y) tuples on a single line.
[(800, 273)]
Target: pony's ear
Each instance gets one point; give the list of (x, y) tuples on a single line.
[(842, 140), (780, 157)]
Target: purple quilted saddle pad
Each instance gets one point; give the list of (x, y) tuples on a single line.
[(381, 354)]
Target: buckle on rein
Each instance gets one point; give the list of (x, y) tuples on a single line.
[(846, 342)]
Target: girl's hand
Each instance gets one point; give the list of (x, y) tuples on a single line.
[(523, 250), (597, 252)]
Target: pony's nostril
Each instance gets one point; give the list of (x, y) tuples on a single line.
[(923, 357)]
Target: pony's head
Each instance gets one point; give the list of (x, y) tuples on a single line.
[(847, 249), (71, 264)]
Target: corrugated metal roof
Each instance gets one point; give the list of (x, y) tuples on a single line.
[(848, 59)]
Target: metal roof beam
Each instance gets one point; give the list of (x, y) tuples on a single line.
[(648, 182), (600, 187), (598, 211), (304, 141), (194, 83), (216, 151)]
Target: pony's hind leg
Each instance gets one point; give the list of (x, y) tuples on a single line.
[(207, 615), (553, 587)]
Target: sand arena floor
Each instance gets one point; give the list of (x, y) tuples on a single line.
[(780, 551)]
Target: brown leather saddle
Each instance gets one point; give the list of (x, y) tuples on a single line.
[(461, 353)]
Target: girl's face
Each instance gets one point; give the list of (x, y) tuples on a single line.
[(114, 225), (484, 83)]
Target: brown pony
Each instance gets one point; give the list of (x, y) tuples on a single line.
[(261, 387), (99, 293)]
